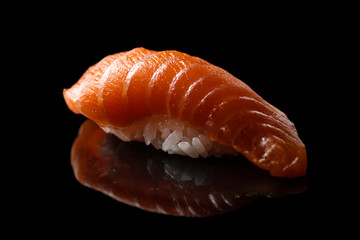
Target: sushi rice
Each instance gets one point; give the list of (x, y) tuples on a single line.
[(171, 136)]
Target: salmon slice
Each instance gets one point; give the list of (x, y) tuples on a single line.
[(127, 88)]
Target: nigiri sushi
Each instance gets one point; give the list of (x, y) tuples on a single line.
[(185, 105)]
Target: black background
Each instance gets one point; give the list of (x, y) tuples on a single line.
[(275, 54)]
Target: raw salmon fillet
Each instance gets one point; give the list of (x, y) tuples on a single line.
[(128, 87)]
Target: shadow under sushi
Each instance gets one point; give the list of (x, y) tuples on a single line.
[(153, 180)]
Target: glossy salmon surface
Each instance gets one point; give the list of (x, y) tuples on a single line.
[(130, 86)]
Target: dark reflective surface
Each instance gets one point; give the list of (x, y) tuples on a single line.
[(150, 179)]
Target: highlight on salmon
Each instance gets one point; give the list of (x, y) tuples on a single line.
[(185, 105)]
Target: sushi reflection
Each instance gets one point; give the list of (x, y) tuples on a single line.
[(153, 180)]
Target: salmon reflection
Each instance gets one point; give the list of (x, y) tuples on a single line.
[(153, 180)]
